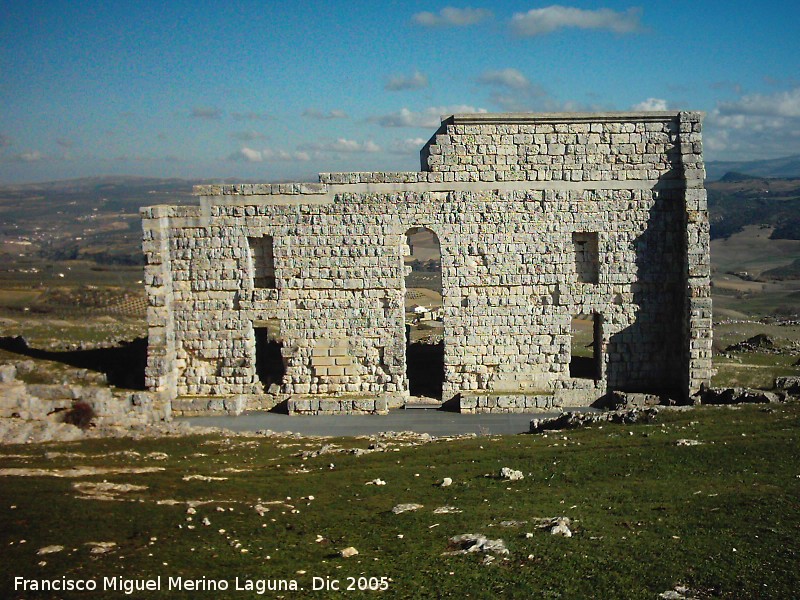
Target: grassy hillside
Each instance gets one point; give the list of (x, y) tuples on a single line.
[(720, 517)]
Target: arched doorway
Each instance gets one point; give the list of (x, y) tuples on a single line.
[(424, 315)]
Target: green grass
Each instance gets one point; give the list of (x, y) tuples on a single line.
[(753, 370), (722, 517)]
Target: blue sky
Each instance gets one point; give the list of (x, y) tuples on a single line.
[(280, 91)]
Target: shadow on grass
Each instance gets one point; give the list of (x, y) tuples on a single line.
[(123, 365)]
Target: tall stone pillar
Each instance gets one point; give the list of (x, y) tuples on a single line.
[(697, 318), (160, 373)]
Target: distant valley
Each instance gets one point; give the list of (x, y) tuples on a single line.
[(88, 232)]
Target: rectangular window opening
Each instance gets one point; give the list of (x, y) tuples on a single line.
[(262, 261), (586, 352), (587, 256)]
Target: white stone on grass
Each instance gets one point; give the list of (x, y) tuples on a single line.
[(401, 508), (510, 474)]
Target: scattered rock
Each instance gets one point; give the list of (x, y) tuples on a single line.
[(407, 436), (157, 455), (401, 508), (510, 474), (561, 529), (325, 449), (101, 547), (789, 384), (760, 341), (679, 592), (348, 552), (512, 523), (556, 525), (572, 419), (444, 510), (76, 471), (737, 396), (8, 373), (105, 490), (25, 366), (474, 542), (446, 482)]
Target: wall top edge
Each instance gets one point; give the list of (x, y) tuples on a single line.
[(564, 117), (374, 182), (211, 197)]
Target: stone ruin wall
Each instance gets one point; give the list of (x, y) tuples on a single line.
[(513, 200)]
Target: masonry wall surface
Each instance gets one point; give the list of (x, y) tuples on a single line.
[(505, 195)]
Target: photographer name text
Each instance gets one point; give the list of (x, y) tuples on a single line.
[(129, 586)]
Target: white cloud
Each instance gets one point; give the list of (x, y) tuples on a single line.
[(266, 155), (343, 145), (512, 91), (651, 104), (452, 17), (428, 118), (32, 156), (755, 126), (251, 155), (301, 156), (514, 102), (540, 21), (414, 81), (780, 104), (206, 112), (407, 145), (509, 78), (312, 113)]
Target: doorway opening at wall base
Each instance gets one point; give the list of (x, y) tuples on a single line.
[(423, 314), (270, 367), (586, 347)]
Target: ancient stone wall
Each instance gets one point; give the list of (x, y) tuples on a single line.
[(540, 218)]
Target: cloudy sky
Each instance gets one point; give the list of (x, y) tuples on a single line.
[(274, 90)]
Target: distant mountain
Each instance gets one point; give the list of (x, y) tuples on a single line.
[(788, 166), (120, 184), (734, 177), (738, 200), (85, 184)]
